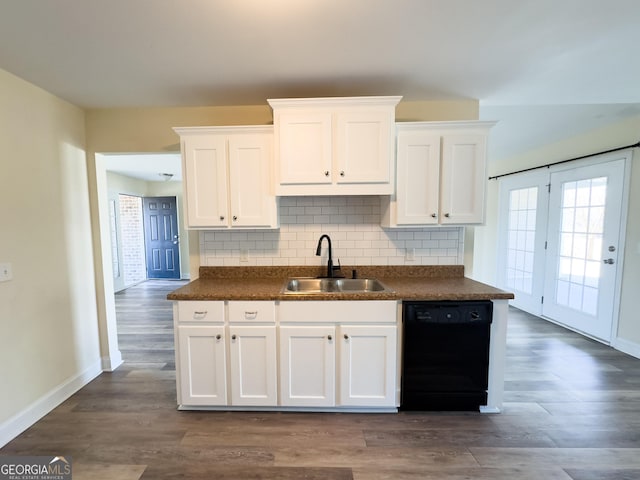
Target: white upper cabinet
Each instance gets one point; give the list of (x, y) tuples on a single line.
[(441, 174), (227, 177), (334, 146)]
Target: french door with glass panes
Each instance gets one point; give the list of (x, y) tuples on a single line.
[(559, 247), (523, 225)]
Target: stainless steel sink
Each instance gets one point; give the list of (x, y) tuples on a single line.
[(334, 285)]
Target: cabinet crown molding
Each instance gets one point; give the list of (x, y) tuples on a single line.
[(334, 101), (206, 130), (444, 125)]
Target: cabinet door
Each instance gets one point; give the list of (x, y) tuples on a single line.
[(253, 365), (202, 360), (307, 366), (304, 149), (367, 365), (463, 179), (252, 203), (363, 147), (418, 178), (205, 170)]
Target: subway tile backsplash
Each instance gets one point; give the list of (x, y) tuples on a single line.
[(353, 223)]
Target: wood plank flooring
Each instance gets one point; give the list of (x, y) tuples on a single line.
[(572, 413)]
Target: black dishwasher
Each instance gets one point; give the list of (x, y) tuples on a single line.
[(445, 355)]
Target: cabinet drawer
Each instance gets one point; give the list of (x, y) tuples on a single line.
[(252, 312), (201, 312)]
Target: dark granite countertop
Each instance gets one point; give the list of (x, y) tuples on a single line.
[(406, 283)]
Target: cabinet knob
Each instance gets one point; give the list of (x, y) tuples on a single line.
[(221, 217), (342, 173), (218, 337), (329, 337), (433, 215), (447, 215), (233, 337), (235, 218), (346, 337), (326, 173)]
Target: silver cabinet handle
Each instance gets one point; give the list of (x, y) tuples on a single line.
[(199, 315), (250, 315)]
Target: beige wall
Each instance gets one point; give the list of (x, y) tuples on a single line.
[(48, 314), (620, 134)]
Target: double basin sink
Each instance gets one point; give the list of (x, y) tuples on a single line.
[(333, 285)]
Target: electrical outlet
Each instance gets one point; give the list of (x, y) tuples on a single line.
[(410, 254), (244, 255), (5, 272)]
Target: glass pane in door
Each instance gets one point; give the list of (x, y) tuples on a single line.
[(521, 232), (580, 244)]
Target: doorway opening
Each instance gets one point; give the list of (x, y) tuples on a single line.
[(136, 175)]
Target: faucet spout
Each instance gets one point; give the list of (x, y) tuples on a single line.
[(319, 251)]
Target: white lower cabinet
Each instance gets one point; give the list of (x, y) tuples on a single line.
[(307, 366), (320, 354), (202, 365), (367, 365), (253, 365), (338, 353)]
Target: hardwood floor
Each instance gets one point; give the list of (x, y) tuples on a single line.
[(572, 412)]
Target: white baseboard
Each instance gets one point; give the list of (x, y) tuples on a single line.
[(110, 363), (17, 424), (625, 346)]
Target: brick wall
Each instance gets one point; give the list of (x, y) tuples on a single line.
[(131, 230)]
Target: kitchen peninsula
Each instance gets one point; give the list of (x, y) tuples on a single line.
[(243, 342)]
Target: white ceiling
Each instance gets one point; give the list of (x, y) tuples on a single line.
[(151, 167), (538, 66)]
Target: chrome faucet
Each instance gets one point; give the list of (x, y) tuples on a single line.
[(330, 267)]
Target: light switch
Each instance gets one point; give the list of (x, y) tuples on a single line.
[(244, 255), (5, 272), (410, 254)]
